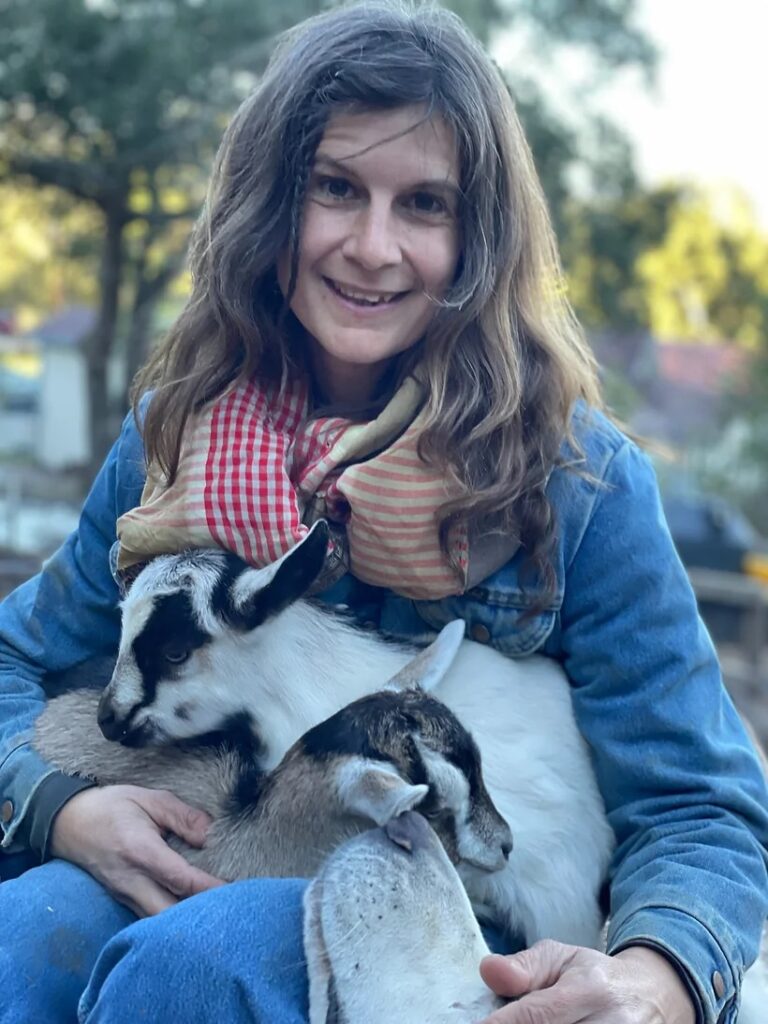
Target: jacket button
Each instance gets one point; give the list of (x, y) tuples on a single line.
[(718, 984), (480, 633), (6, 811)]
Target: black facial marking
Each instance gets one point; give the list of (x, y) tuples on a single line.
[(381, 726), (221, 596), (171, 627), (236, 732), (182, 711)]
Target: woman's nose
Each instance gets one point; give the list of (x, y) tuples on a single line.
[(372, 240)]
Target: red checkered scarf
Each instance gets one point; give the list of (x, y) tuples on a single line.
[(255, 471)]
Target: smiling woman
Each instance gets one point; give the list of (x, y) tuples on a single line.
[(378, 336)]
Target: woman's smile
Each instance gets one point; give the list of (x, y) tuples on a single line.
[(362, 299)]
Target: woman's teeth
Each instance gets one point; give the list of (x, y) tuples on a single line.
[(364, 298)]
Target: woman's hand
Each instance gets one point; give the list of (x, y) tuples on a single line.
[(558, 984), (116, 834)]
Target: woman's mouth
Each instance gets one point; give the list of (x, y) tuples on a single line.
[(364, 298)]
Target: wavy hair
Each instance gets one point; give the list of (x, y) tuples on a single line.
[(504, 359)]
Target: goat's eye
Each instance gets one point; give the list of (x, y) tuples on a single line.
[(433, 813), (176, 657)]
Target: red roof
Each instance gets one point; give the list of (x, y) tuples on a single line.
[(706, 367)]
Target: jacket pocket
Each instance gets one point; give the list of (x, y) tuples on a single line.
[(500, 620)]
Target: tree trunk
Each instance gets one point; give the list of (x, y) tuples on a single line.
[(100, 342), (149, 290)]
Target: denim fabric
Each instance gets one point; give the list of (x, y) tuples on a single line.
[(56, 921), (233, 954), (683, 789)]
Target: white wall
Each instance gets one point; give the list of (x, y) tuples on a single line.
[(18, 433), (62, 439)]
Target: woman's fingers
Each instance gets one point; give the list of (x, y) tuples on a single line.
[(146, 897), (559, 984), (117, 834), (173, 873), (173, 815)]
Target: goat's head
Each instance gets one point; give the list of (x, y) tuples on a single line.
[(396, 751), (389, 933), (181, 620)]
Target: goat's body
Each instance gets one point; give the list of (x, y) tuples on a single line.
[(352, 770), (308, 662), (265, 835), (258, 653)]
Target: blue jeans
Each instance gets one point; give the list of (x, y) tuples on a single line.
[(70, 953), (234, 954)]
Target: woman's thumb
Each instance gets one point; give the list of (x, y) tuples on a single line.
[(535, 968)]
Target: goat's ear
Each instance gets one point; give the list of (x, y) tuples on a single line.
[(429, 666), (260, 593), (373, 790)]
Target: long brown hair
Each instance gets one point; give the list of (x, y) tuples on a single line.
[(504, 359)]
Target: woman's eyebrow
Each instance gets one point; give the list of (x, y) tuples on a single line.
[(326, 162)]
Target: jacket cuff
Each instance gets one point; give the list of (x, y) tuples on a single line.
[(50, 796), (693, 950)]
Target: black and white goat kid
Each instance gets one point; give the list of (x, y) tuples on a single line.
[(368, 763), (210, 644)]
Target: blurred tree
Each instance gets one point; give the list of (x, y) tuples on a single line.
[(120, 103), (669, 260), (707, 277), (603, 240), (49, 245)]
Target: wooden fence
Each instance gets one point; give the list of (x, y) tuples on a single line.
[(747, 599)]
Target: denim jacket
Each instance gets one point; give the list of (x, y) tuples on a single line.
[(683, 789)]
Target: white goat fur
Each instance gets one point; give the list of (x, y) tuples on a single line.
[(303, 664), (269, 839)]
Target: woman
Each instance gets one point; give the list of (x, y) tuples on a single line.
[(376, 250)]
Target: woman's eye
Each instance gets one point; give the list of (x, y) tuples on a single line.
[(427, 203), (176, 657), (333, 188)]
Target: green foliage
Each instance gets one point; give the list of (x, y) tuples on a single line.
[(112, 86), (669, 260), (119, 104), (602, 27), (48, 251), (602, 243)]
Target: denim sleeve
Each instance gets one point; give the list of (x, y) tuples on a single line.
[(64, 615), (683, 788)]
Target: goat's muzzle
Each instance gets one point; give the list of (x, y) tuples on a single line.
[(113, 726)]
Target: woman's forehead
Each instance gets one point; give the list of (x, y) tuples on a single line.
[(404, 138)]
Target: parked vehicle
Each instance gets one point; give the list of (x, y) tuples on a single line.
[(711, 533)]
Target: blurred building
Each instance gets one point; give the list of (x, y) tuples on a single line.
[(44, 390)]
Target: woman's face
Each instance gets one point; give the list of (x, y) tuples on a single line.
[(379, 242)]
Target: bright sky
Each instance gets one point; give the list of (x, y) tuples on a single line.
[(705, 119)]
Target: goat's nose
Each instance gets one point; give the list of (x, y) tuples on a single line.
[(410, 831), (111, 728), (506, 848)]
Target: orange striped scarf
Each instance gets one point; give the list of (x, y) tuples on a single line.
[(255, 471)]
